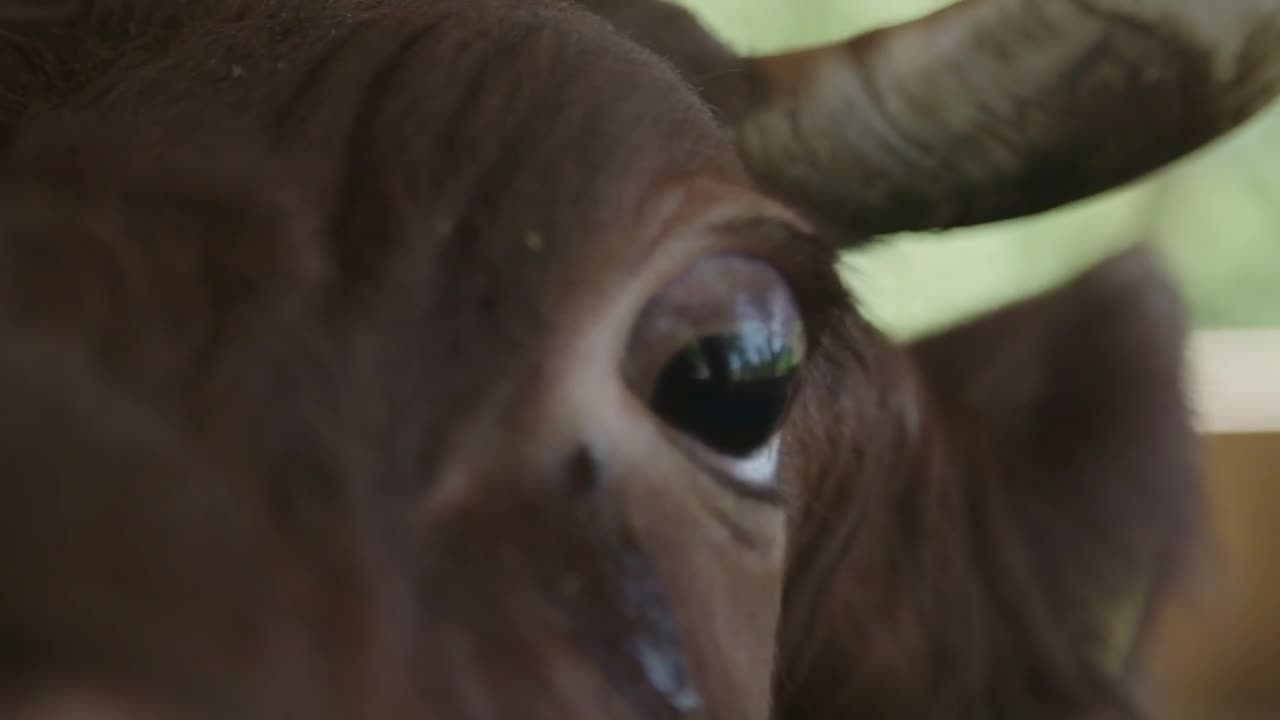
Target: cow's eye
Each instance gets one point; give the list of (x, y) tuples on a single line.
[(716, 353), (728, 389)]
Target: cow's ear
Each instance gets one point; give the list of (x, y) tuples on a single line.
[(1078, 393)]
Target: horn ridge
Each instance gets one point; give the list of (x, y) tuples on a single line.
[(993, 109)]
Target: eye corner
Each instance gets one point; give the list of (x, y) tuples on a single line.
[(755, 475)]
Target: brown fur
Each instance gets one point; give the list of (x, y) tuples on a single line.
[(298, 302)]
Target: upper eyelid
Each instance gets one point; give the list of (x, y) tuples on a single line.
[(696, 219), (805, 260), (715, 293), (712, 216)]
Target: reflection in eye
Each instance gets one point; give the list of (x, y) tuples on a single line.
[(716, 354), (729, 390)]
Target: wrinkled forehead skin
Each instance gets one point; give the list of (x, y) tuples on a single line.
[(354, 292)]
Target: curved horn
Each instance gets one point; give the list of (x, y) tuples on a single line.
[(992, 109)]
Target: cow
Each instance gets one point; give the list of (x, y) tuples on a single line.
[(472, 359)]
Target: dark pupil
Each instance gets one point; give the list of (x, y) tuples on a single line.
[(730, 390)]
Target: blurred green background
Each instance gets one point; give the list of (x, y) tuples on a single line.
[(1214, 215)]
